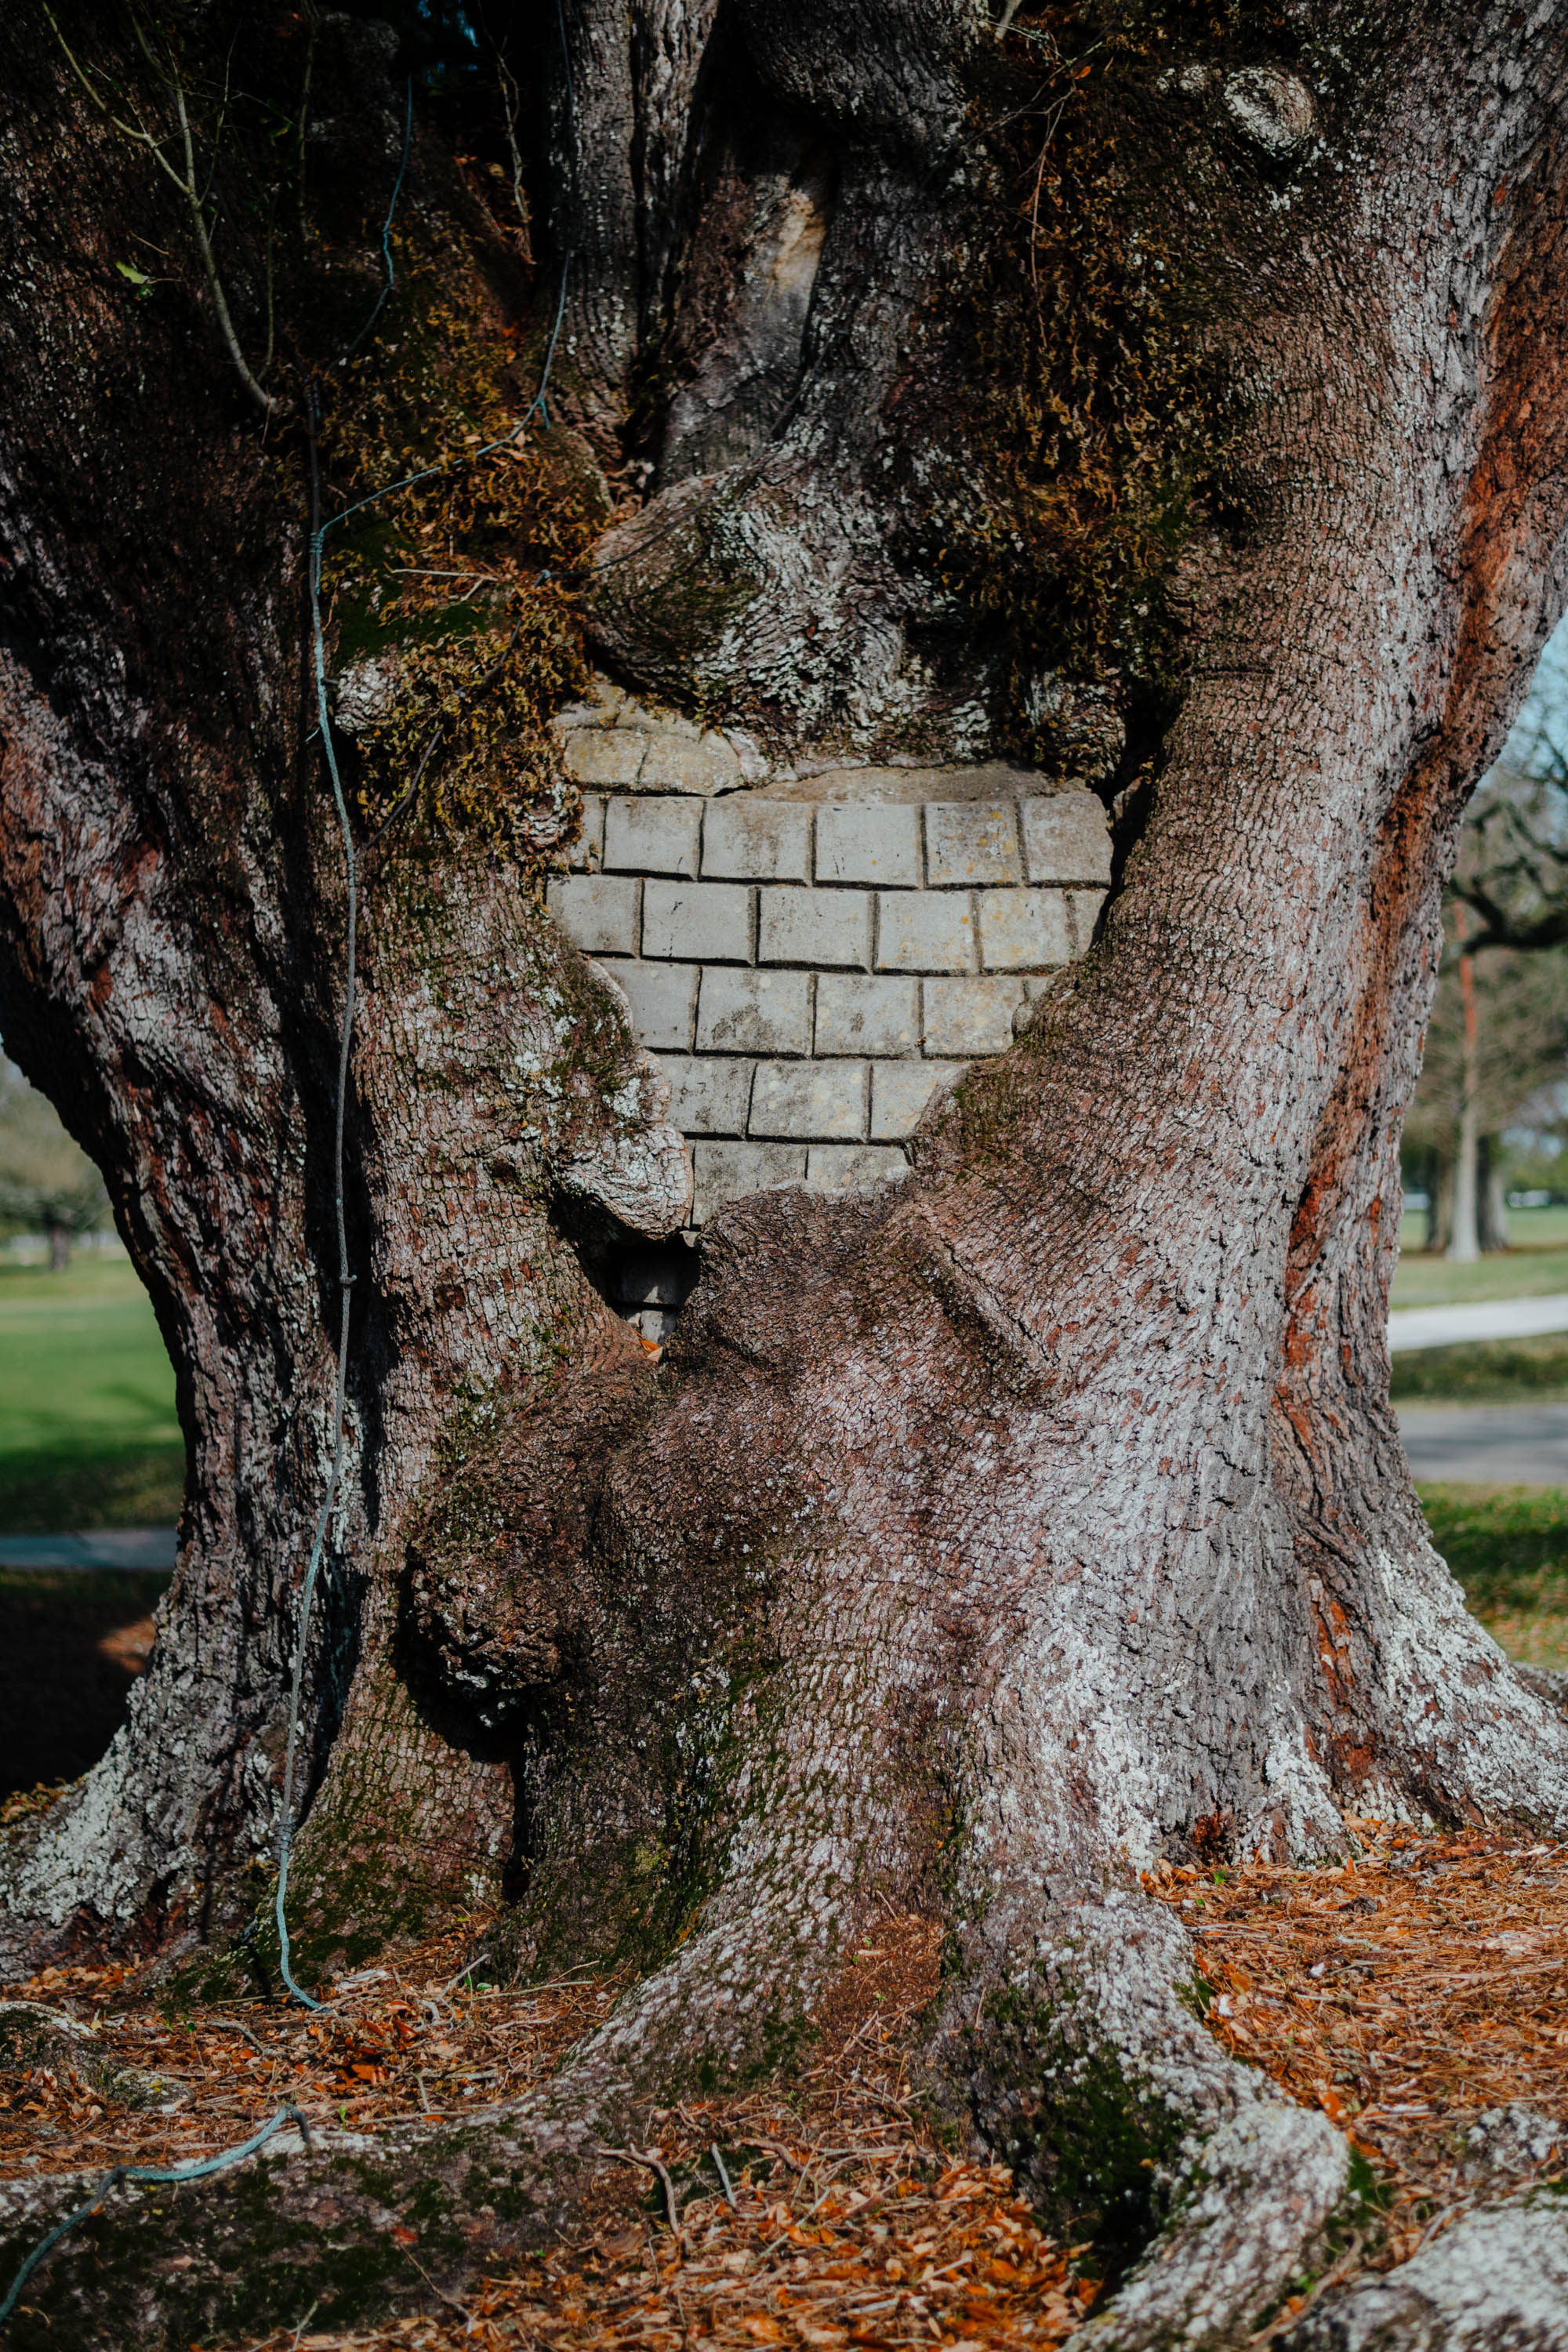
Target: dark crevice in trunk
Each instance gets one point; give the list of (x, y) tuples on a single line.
[(1128, 790)]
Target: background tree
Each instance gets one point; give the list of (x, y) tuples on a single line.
[(1510, 891), (47, 1185), (1174, 397), (1512, 867), (1498, 1035)]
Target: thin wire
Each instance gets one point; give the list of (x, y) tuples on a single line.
[(567, 57), (386, 292), (539, 404), (157, 2174), (227, 2158), (319, 530), (345, 1277)]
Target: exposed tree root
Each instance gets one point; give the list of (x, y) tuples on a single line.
[(1087, 2066), (1116, 2103), (1496, 2281), (1242, 2181)]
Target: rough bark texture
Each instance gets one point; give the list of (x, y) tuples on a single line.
[(173, 962), (975, 1541)]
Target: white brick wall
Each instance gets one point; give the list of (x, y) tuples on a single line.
[(809, 975)]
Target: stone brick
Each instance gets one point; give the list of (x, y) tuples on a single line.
[(587, 851), (813, 926), (842, 1166), (970, 841), (1067, 838), (920, 931), (598, 912), (970, 1016), (663, 1000), (820, 1099), (710, 1094), (727, 1171), (859, 1016), (604, 755), (675, 764), (900, 1091), (1023, 930), (757, 840), (755, 1011), (863, 843), (1083, 912), (710, 922), (653, 836)]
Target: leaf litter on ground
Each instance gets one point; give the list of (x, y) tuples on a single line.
[(1412, 1990), (1409, 1989)]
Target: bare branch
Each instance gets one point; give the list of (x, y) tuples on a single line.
[(511, 103), (185, 183)]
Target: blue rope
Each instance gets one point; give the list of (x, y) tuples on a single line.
[(206, 2167), (156, 2174), (386, 292), (345, 1277), (325, 727)]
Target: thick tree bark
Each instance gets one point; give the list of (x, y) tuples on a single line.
[(979, 1539), (173, 962)]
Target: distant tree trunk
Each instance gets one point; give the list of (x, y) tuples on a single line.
[(978, 1541), (1465, 1239), (1493, 1211), (1465, 1233), (1441, 1203), (59, 1249)]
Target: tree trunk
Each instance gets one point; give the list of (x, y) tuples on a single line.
[(1465, 1240), (978, 1539), (59, 1249), (1493, 1212), (1440, 1205)]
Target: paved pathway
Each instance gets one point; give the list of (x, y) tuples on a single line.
[(97, 1548), (1483, 1318), (1487, 1444)]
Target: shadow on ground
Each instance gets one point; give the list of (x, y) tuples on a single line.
[(71, 1644)]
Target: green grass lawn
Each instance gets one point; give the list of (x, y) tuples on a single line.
[(88, 1432), (1508, 1546), (1484, 1371), (1535, 1265)]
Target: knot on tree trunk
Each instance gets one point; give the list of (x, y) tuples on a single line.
[(500, 1595)]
